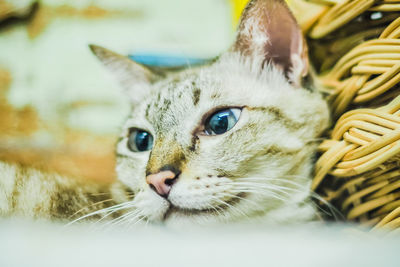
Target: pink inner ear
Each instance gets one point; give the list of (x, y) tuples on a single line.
[(273, 22)]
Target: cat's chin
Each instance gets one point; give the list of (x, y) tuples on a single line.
[(173, 210), (159, 210), (202, 216), (178, 217)]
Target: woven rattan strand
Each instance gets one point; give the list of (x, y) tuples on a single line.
[(358, 170)]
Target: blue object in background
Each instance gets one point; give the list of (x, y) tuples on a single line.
[(168, 61)]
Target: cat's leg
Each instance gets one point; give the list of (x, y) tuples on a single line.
[(30, 193)]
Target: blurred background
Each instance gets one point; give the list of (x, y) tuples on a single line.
[(59, 109)]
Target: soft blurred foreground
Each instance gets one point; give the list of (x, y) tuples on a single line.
[(44, 245)]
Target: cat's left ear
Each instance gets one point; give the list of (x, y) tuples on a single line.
[(133, 77), (268, 30)]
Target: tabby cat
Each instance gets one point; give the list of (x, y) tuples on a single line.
[(233, 140)]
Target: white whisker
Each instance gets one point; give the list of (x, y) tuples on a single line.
[(241, 198), (108, 211), (121, 219), (269, 194), (271, 187), (222, 202), (254, 182)]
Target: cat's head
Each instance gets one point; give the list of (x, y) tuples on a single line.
[(227, 141)]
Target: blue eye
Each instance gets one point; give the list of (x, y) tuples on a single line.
[(222, 121), (139, 140)]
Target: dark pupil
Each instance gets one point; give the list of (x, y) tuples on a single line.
[(219, 122), (142, 140)]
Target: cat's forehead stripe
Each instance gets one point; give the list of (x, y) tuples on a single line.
[(196, 96), (280, 116), (166, 98)]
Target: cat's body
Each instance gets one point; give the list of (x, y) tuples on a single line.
[(230, 141), (30, 193)]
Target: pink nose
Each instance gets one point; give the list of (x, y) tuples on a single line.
[(161, 182)]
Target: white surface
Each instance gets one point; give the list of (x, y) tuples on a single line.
[(27, 244)]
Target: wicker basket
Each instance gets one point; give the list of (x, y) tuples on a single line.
[(355, 46)]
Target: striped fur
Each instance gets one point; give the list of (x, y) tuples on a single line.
[(259, 170), (30, 193)]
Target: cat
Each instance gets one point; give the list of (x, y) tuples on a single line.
[(233, 140)]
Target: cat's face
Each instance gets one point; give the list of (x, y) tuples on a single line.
[(224, 142)]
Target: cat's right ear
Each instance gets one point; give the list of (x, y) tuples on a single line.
[(269, 31), (133, 77)]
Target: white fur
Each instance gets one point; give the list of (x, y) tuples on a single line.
[(261, 168), (238, 81)]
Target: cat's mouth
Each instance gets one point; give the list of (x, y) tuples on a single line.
[(216, 210)]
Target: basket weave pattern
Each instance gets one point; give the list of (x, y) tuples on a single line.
[(359, 169)]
